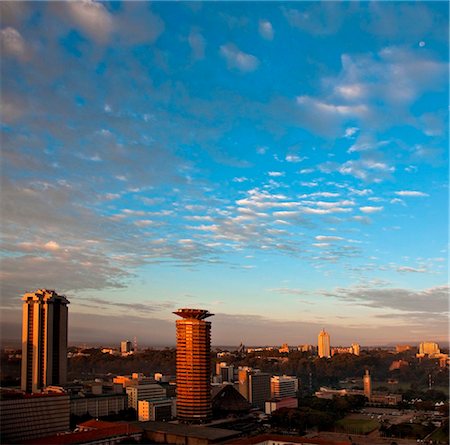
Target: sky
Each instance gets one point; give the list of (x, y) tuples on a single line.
[(282, 164)]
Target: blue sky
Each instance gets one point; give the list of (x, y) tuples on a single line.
[(283, 165)]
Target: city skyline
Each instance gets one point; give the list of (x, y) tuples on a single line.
[(283, 165)]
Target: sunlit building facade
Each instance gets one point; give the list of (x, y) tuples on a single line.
[(323, 349), (193, 365), (44, 340), (367, 380)]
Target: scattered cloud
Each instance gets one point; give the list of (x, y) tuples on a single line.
[(197, 44), (236, 58), (411, 193), (371, 209), (265, 30)]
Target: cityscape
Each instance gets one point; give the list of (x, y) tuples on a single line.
[(224, 222)]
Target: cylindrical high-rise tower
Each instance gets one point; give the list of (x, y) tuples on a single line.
[(193, 365)]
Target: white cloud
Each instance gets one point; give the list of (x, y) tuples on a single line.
[(197, 44), (92, 17), (238, 59), (12, 43), (276, 174), (262, 150), (350, 131), (240, 179), (295, 158), (328, 238), (411, 193), (370, 209), (397, 201), (51, 245), (266, 30), (410, 269)]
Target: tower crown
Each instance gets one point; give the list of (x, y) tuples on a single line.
[(198, 314)]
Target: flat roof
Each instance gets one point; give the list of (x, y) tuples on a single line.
[(201, 432), (286, 440)]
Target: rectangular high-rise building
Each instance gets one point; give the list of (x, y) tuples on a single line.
[(323, 348), (254, 385), (44, 340), (193, 365), (283, 387)]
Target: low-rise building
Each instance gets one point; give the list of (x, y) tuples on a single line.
[(156, 410), (274, 404), (144, 392), (29, 416), (97, 405)]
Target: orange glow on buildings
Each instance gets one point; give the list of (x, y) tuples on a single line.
[(193, 365)]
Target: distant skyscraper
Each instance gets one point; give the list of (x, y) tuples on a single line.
[(125, 347), (429, 348), (324, 344), (193, 365), (44, 340), (355, 348), (254, 385), (367, 380)]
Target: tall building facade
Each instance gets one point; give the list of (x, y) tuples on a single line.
[(44, 340), (283, 387), (429, 348), (367, 380), (193, 365), (254, 385), (324, 349)]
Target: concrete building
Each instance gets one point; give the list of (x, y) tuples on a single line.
[(144, 392), (254, 385), (126, 347), (156, 410), (367, 381), (284, 348), (98, 405), (193, 365), (28, 416), (44, 340), (323, 348), (305, 348), (283, 386), (355, 349), (428, 348), (225, 372), (273, 405), (402, 348)]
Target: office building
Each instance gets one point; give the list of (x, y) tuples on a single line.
[(225, 372), (428, 348), (324, 344), (44, 340), (139, 392), (355, 348), (97, 405), (156, 410), (305, 348), (193, 365), (126, 347), (402, 348), (283, 387), (367, 380), (254, 385), (29, 416)]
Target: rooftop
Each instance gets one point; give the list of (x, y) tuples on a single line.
[(200, 432), (198, 314), (268, 438)]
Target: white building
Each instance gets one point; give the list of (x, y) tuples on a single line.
[(144, 392), (283, 386)]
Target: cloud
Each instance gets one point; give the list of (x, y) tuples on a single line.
[(236, 58), (295, 158), (265, 30), (410, 269), (431, 300), (13, 44), (350, 132), (328, 238), (276, 174), (371, 209), (411, 193), (92, 17), (197, 44)]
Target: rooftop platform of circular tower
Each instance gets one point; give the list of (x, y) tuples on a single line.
[(199, 314)]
